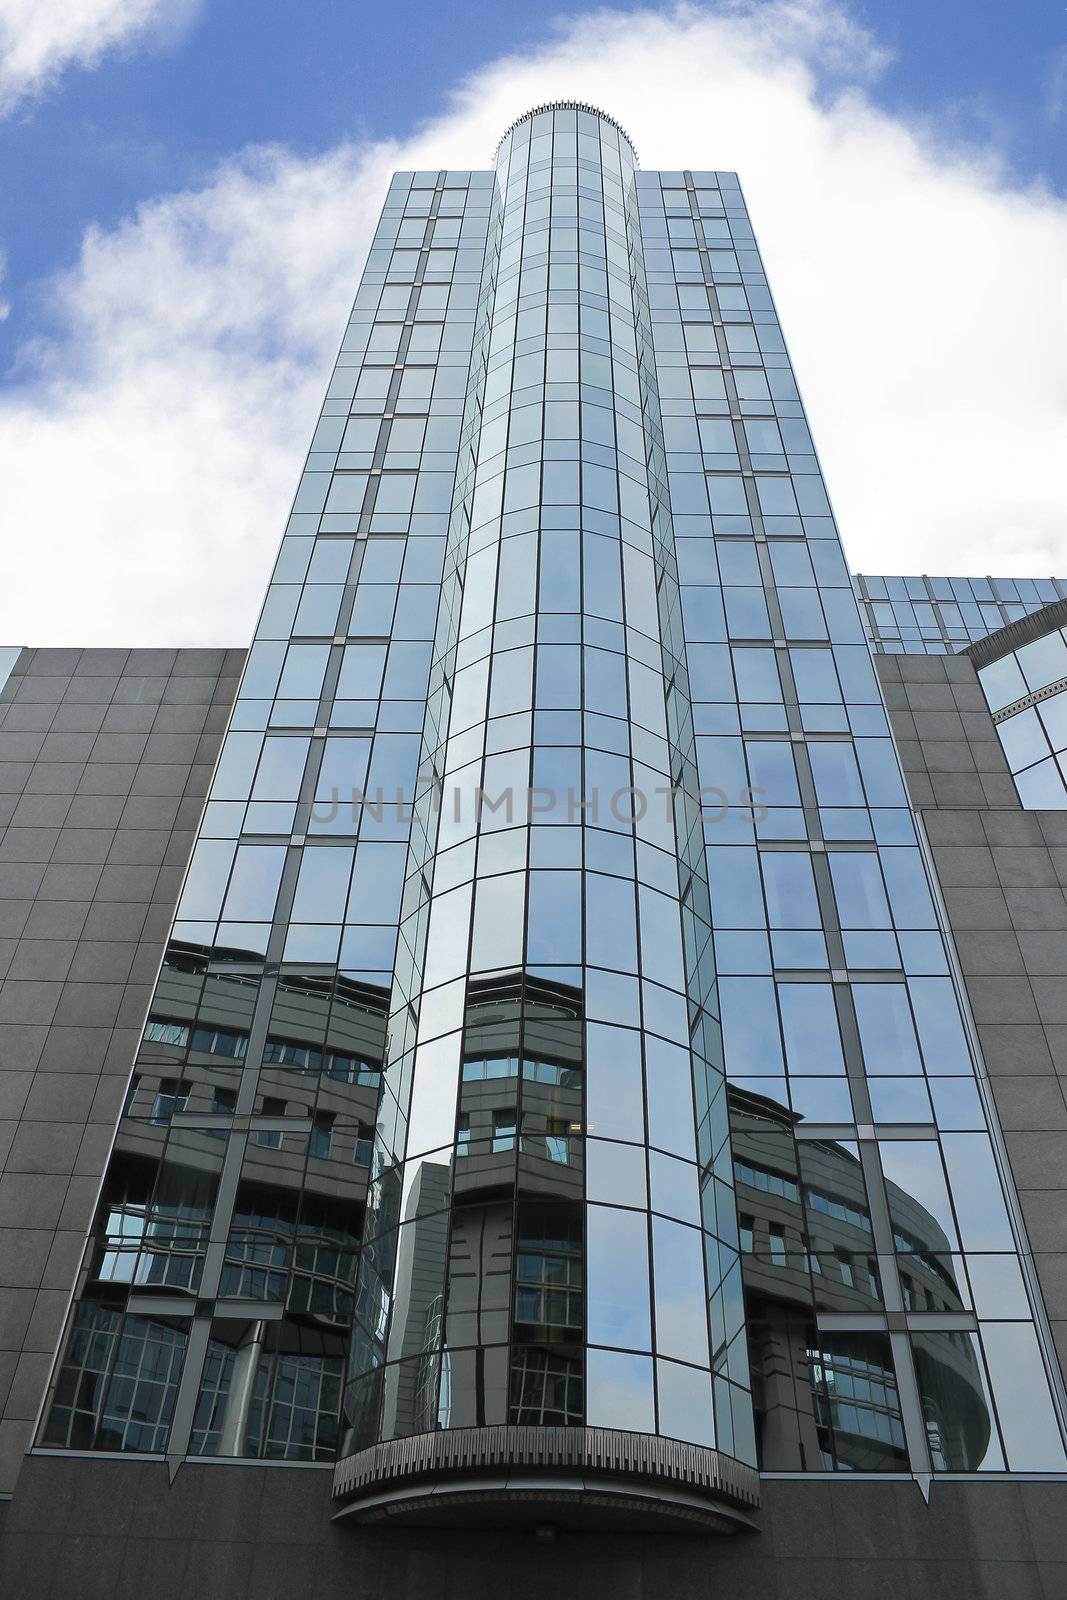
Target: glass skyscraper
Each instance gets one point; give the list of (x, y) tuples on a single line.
[(560, 1084)]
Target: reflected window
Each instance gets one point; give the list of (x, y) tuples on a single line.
[(219, 1042), (505, 1127), (270, 1138), (321, 1135), (546, 1388), (296, 1407), (223, 1104), (548, 1273), (482, 1067), (267, 1402), (769, 1182), (260, 1245), (857, 1407), (159, 1239), (171, 1096), (829, 1205), (175, 1033), (118, 1382), (309, 1058)]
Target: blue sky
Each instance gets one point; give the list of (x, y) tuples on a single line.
[(145, 121), (187, 189)]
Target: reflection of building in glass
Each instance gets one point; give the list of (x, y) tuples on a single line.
[(826, 1398), (487, 1316), (293, 1147)]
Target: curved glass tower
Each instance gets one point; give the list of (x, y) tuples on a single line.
[(559, 1020), (551, 1239)]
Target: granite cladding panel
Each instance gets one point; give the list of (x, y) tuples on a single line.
[(115, 1528), (105, 758), (1003, 875)]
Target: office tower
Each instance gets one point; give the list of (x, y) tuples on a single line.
[(562, 1104)]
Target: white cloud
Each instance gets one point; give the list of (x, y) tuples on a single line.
[(39, 38), (149, 449)]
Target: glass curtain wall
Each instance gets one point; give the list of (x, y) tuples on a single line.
[(216, 1297), (889, 1322), (939, 616), (1026, 691), (554, 1218), (558, 832)]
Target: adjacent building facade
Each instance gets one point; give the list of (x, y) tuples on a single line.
[(603, 1069)]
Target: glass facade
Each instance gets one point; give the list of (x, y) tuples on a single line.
[(557, 1029), (939, 616), (1023, 674), (9, 654)]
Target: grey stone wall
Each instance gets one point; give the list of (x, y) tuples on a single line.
[(116, 1530), (1003, 875), (105, 756)]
